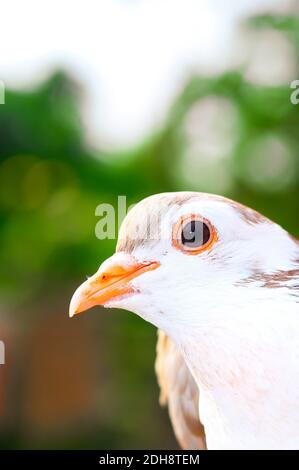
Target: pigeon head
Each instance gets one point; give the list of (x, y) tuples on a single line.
[(184, 258), (221, 281)]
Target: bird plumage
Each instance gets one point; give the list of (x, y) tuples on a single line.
[(180, 393), (228, 356)]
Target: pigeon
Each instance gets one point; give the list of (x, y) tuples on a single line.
[(221, 283)]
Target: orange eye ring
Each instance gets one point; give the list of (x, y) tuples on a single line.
[(177, 232)]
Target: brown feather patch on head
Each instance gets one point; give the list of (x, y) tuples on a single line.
[(249, 216), (142, 224)]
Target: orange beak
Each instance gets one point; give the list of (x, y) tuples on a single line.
[(110, 281)]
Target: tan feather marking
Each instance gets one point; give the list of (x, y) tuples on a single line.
[(273, 280), (250, 216), (142, 224), (180, 392)]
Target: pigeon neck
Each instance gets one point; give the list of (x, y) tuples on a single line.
[(246, 380)]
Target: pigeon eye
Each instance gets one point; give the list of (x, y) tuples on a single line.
[(193, 234)]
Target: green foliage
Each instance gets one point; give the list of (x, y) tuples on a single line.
[(51, 182)]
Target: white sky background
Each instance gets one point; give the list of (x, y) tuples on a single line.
[(131, 56)]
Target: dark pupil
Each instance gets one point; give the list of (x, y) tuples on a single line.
[(195, 234)]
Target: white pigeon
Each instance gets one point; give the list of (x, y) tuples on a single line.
[(221, 282)]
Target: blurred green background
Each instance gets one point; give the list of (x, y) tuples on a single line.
[(89, 382)]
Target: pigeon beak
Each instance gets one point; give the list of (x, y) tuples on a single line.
[(110, 281)]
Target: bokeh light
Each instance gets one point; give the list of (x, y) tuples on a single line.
[(193, 98)]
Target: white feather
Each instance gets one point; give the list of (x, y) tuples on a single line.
[(239, 338)]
